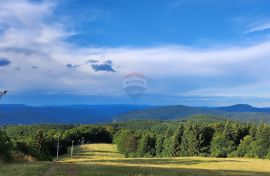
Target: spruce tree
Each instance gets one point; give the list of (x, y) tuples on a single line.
[(177, 140), (160, 145)]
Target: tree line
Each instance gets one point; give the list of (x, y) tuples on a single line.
[(191, 138), (216, 138)]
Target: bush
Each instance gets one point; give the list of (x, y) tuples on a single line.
[(267, 156), (29, 150), (233, 154)]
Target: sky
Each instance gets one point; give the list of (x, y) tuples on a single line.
[(191, 52)]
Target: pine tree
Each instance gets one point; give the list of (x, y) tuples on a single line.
[(177, 140)]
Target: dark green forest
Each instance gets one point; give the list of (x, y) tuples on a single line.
[(199, 136)]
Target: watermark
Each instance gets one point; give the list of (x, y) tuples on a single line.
[(135, 84)]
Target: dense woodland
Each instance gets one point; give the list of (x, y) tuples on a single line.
[(199, 136), (40, 141)]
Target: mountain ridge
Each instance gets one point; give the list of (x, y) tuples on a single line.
[(107, 113), (243, 112)]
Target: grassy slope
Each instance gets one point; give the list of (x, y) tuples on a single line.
[(104, 160)]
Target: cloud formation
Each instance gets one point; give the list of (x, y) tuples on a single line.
[(259, 26), (106, 66), (90, 61), (4, 62), (30, 35), (72, 66)]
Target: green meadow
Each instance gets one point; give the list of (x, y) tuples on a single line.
[(105, 160)]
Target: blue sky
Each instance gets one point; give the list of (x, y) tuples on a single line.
[(148, 23), (192, 52)]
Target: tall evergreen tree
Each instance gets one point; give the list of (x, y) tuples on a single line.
[(177, 140), (168, 143)]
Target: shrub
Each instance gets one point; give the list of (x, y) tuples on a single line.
[(267, 156), (27, 149)]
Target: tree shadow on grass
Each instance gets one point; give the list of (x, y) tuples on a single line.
[(93, 155), (104, 151), (166, 161), (108, 170)]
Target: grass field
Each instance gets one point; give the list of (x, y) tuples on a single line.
[(104, 160)]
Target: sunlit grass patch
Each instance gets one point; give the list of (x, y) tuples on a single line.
[(106, 156)]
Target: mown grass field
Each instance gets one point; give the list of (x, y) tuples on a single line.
[(104, 160)]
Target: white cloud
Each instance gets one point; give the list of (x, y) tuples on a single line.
[(23, 13), (30, 39), (259, 26)]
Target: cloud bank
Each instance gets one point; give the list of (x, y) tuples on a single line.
[(35, 41)]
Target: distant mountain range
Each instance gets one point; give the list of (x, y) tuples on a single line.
[(242, 112), (243, 108), (82, 114)]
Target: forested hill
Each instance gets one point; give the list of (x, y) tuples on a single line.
[(90, 114), (78, 114), (179, 112)]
